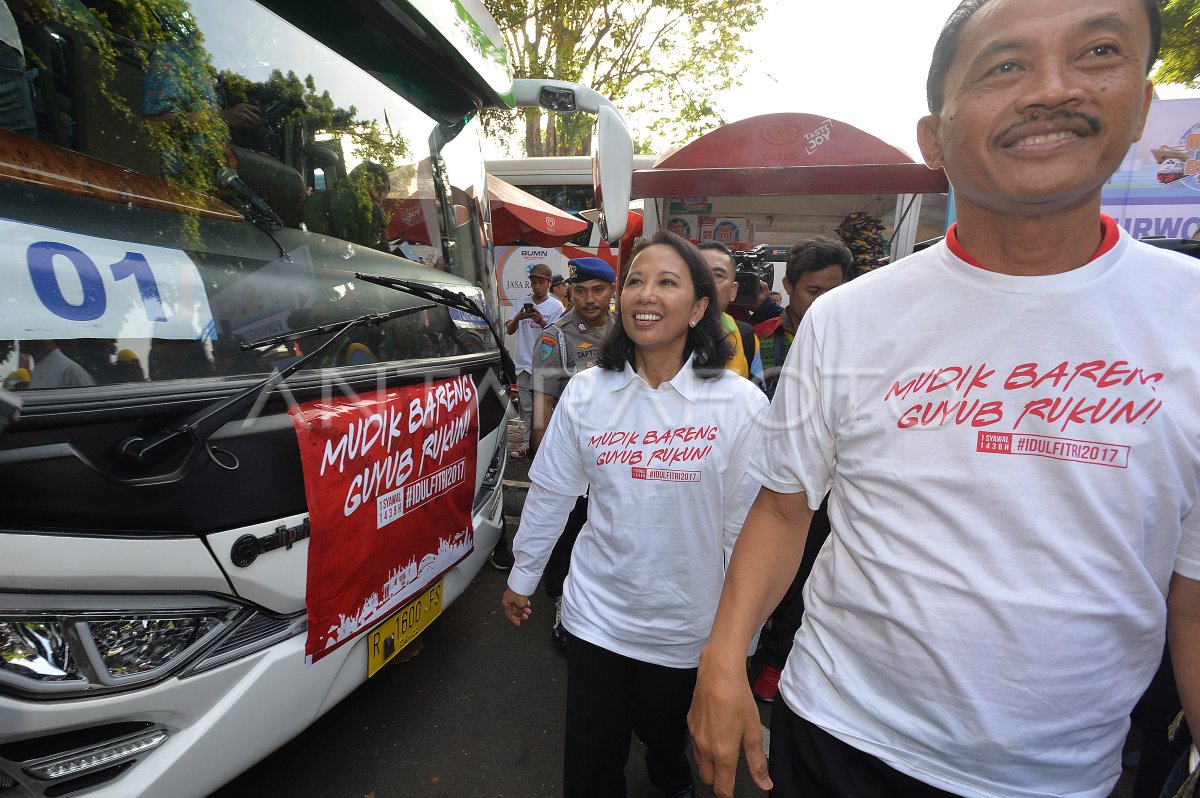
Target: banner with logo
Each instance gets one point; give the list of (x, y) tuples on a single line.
[(389, 479), (1156, 190), (513, 265)]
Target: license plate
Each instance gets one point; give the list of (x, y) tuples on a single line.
[(390, 637)]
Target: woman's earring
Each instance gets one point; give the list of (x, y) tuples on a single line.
[(691, 324)]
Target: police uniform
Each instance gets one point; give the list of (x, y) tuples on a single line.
[(566, 347)]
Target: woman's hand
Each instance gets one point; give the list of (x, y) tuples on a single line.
[(516, 607)]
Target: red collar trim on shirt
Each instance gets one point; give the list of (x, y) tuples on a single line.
[(1110, 233)]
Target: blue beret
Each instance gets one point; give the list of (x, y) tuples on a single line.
[(583, 269)]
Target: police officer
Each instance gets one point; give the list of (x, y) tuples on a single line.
[(566, 347)]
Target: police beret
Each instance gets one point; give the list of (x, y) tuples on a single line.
[(583, 269)]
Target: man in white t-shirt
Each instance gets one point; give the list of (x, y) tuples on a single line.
[(1007, 425), (53, 369), (533, 314)]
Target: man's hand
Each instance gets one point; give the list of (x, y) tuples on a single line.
[(516, 607), (724, 721), (242, 116), (538, 318)]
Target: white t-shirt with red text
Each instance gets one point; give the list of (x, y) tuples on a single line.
[(668, 494), (1013, 463)]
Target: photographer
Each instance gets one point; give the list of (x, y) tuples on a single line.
[(764, 308), (536, 312)]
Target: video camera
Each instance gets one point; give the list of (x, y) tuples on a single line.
[(754, 265)]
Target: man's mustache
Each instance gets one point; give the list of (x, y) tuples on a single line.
[(1093, 123)]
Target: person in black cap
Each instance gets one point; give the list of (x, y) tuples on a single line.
[(566, 347), (560, 288)]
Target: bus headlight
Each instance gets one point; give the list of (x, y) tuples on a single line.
[(71, 644), (36, 649)]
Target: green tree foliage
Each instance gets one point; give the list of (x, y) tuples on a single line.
[(1180, 54), (163, 38), (317, 112), (659, 60)]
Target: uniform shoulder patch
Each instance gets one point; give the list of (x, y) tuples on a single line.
[(546, 347)]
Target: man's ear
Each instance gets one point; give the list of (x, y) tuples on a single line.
[(930, 141)]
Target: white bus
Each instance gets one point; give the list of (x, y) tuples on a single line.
[(247, 452)]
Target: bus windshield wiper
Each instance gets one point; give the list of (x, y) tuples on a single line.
[(451, 299), (142, 454)]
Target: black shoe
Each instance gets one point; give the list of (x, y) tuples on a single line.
[(557, 633), (501, 558), (687, 792)]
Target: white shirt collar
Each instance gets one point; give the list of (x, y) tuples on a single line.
[(686, 382)]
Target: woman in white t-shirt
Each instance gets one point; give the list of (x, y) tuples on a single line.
[(660, 434)]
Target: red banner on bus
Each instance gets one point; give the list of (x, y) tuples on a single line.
[(389, 480)]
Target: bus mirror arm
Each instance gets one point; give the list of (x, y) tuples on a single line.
[(451, 299), (142, 454)]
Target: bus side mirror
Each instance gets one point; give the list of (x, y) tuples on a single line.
[(612, 173), (612, 146)]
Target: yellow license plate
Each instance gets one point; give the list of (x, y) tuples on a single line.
[(389, 638)]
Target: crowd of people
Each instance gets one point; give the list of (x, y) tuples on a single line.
[(961, 487)]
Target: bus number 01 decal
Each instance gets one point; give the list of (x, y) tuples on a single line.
[(40, 257)]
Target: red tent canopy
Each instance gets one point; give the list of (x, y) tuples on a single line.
[(786, 154), (516, 216), (519, 216), (406, 220)]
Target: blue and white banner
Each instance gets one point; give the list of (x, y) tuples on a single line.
[(1156, 190), (66, 286)]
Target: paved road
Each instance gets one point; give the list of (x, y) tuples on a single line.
[(477, 713)]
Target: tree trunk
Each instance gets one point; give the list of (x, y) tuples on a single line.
[(552, 134), (533, 133)]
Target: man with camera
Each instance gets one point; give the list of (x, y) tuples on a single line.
[(764, 307), (537, 311)]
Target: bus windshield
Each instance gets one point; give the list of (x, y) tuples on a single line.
[(163, 129)]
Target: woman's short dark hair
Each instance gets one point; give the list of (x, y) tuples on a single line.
[(947, 46), (708, 341), (815, 254)]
